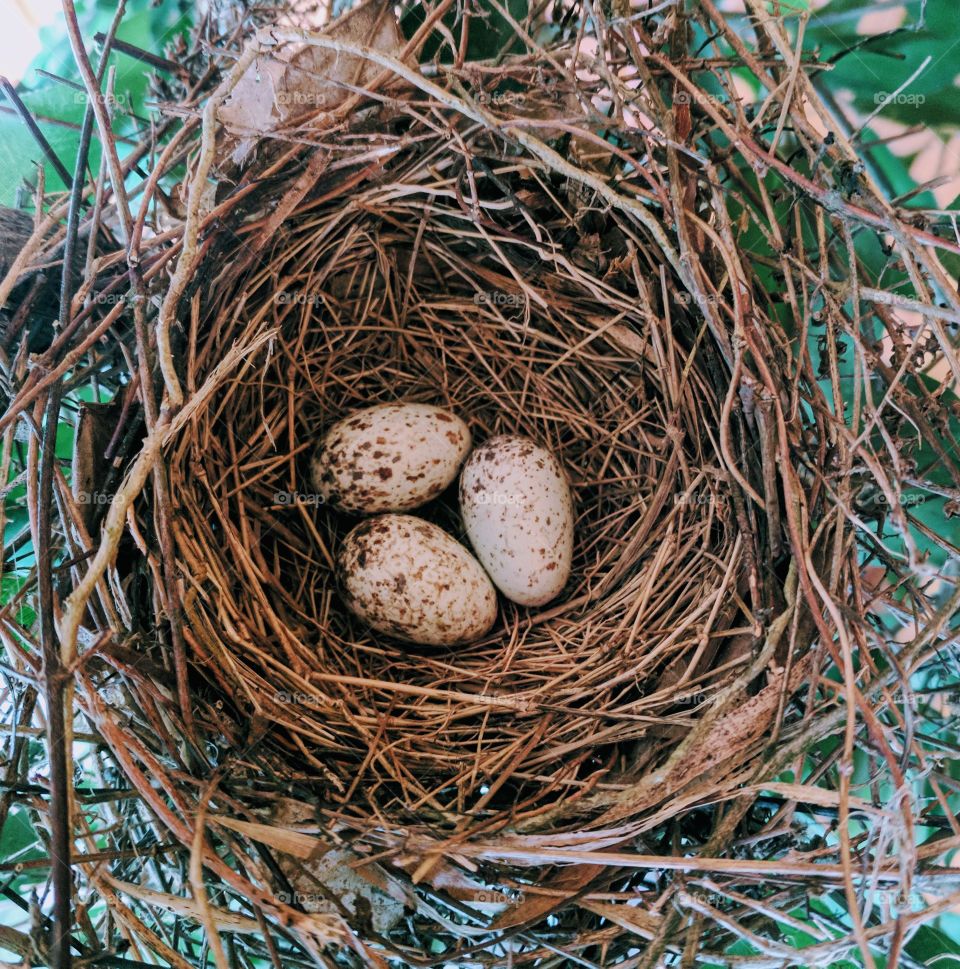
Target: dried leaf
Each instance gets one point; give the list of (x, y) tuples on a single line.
[(727, 741), (364, 889), (224, 920), (568, 881), (294, 83), (96, 424), (813, 795), (630, 917)]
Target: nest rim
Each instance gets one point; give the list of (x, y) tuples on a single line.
[(539, 356)]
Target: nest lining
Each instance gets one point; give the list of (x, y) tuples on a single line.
[(401, 300)]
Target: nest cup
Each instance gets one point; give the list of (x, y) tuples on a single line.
[(393, 288)]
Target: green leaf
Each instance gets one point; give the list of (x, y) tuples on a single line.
[(148, 28), (17, 835), (876, 69), (490, 33), (935, 948)]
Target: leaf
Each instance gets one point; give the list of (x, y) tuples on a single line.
[(490, 33), (568, 881), (881, 66), (295, 82), (19, 153), (810, 794), (90, 468), (225, 921), (17, 837), (296, 843), (722, 742), (630, 917), (934, 948), (360, 887)]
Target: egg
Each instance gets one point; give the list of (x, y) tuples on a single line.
[(411, 580), (390, 457), (518, 513)]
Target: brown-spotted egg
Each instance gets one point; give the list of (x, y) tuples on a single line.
[(518, 513), (389, 457), (409, 579)]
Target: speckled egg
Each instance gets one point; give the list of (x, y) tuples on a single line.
[(391, 457), (518, 513), (409, 579)]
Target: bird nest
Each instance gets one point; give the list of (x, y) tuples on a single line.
[(396, 287), (592, 259), (463, 271)]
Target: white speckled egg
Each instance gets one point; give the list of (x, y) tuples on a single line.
[(518, 513), (391, 457), (408, 578)]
